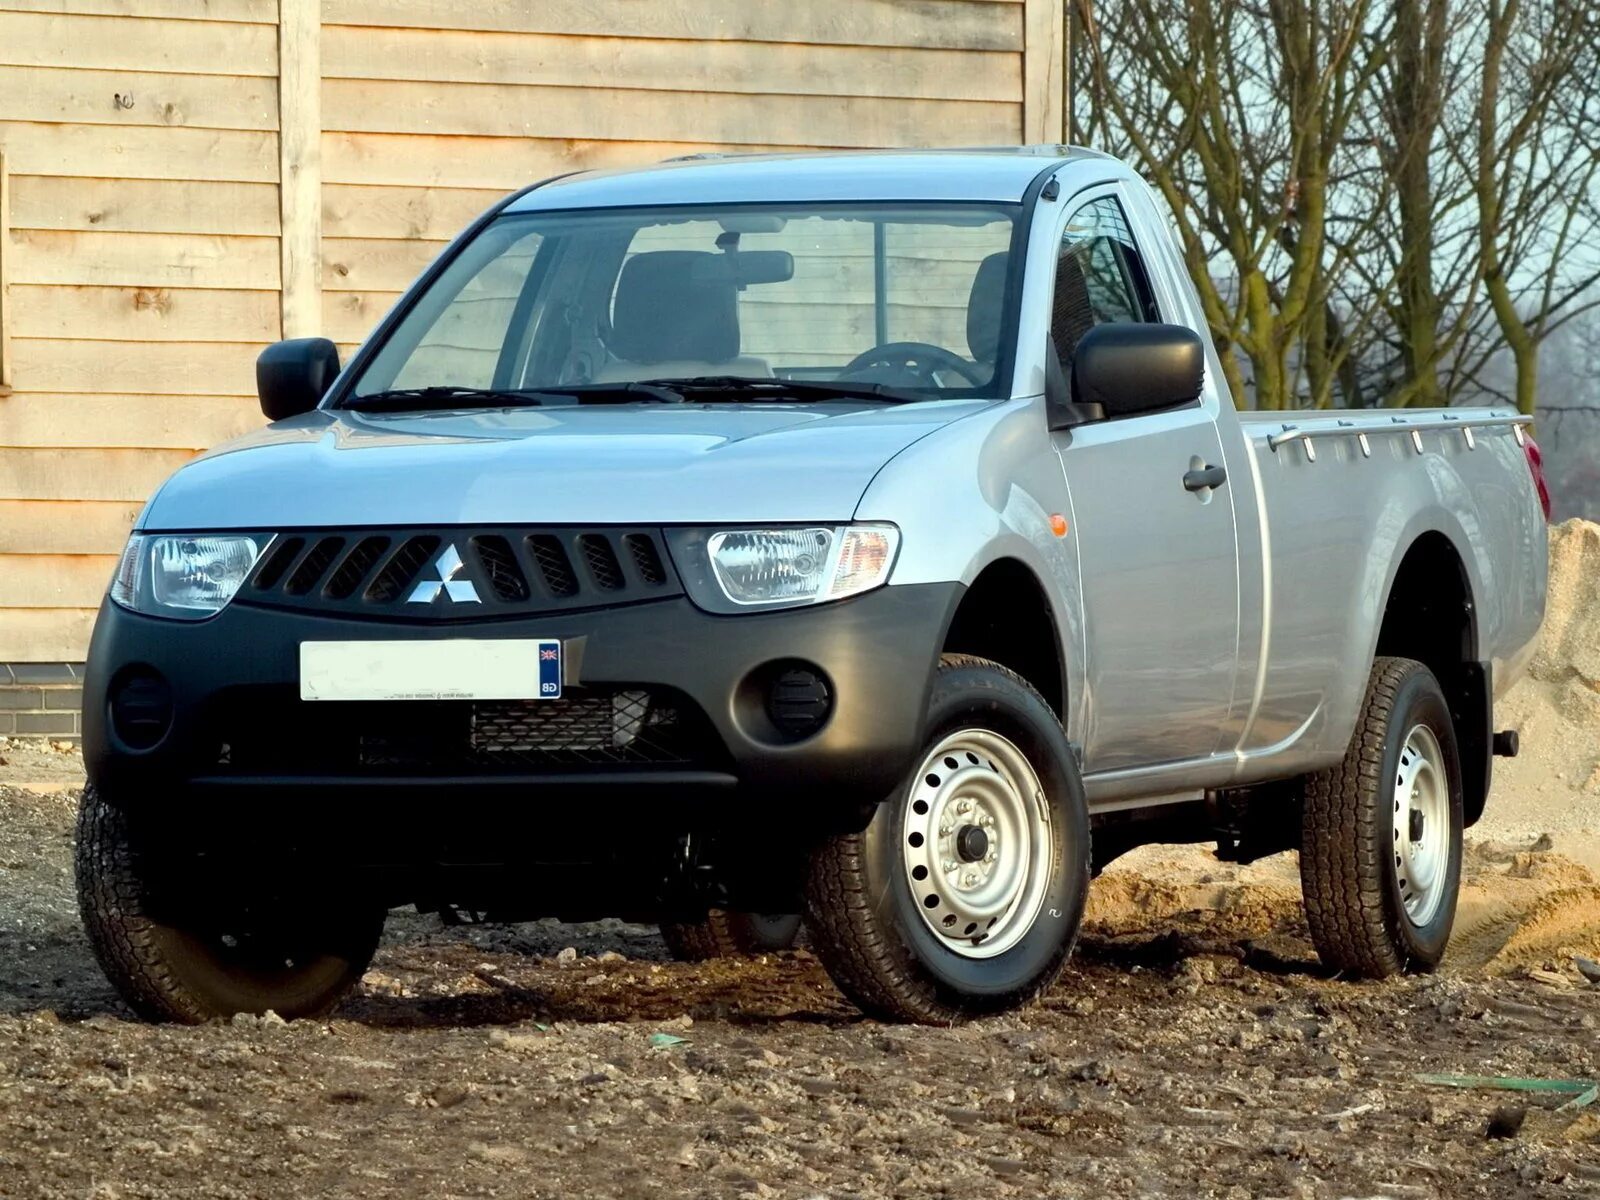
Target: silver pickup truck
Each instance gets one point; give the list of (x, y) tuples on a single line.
[(866, 536)]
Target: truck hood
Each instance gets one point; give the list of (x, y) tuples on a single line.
[(658, 464)]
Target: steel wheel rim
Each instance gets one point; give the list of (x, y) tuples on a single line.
[(977, 905), (1421, 819)]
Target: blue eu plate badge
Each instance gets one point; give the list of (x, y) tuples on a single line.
[(549, 670)]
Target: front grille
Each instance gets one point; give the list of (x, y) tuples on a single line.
[(269, 731), (511, 571)]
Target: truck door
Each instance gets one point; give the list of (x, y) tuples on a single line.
[(1158, 556)]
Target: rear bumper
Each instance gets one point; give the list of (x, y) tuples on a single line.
[(877, 652)]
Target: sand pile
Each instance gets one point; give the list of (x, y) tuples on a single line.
[(1553, 786)]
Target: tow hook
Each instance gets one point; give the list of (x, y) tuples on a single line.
[(1506, 743)]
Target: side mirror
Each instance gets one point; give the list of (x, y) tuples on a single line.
[(293, 376), (1131, 369)]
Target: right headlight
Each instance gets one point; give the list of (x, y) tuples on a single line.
[(187, 576), (783, 566)]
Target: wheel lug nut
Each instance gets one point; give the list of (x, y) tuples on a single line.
[(963, 806)]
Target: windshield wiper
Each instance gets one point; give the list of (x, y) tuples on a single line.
[(738, 387), (422, 399)]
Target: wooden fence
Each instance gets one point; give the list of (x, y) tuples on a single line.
[(185, 181)]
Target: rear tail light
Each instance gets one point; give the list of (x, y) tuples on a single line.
[(1536, 469)]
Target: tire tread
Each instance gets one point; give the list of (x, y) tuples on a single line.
[(875, 972), (1343, 855)]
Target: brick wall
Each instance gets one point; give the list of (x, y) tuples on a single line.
[(41, 700)]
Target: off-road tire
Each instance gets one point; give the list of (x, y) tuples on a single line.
[(860, 911), (1348, 873), (723, 934), (165, 969)]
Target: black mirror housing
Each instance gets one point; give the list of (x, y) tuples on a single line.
[(1129, 369), (293, 376)]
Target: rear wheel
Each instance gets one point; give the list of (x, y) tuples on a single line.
[(730, 935), (964, 894), (1380, 857), (179, 951)]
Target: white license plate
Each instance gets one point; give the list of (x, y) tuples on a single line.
[(451, 669)]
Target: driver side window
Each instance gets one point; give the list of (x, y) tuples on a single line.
[(1100, 278)]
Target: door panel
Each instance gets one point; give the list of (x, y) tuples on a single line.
[(1160, 588), (1153, 514)]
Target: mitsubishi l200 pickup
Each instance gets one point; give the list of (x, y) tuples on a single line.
[(865, 536)]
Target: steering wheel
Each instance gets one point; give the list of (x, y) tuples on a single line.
[(922, 358)]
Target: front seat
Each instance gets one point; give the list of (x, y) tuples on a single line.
[(986, 306), (666, 323)]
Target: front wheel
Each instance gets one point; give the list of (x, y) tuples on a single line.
[(964, 893), (1380, 854), (178, 950)]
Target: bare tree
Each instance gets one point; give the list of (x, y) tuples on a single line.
[(1237, 113), (1397, 192), (1535, 166)]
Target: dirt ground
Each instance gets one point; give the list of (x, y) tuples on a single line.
[(1194, 1047)]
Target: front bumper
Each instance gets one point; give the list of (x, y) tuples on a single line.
[(877, 651)]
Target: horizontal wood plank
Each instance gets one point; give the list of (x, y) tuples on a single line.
[(137, 43), (766, 68), (145, 259), (54, 580), (501, 110), (46, 634), (433, 214), (144, 205), (107, 420), (65, 526), (367, 265), (262, 12), (146, 314), (137, 98), (136, 368), (352, 316), (504, 164), (949, 24), (126, 475), (141, 152)]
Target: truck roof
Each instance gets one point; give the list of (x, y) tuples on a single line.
[(985, 173)]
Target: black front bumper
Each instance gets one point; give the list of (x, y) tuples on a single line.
[(877, 652)]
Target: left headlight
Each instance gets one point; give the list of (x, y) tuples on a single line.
[(187, 576), (731, 570)]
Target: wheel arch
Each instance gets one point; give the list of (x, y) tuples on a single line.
[(1430, 614), (1005, 616)]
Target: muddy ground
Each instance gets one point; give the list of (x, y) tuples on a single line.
[(1193, 1049)]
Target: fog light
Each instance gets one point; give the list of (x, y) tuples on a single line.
[(141, 709), (799, 701)]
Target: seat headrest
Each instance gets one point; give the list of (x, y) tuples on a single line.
[(985, 306), (664, 310), (1072, 312)]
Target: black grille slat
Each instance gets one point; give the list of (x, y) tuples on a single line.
[(500, 566), (646, 558), (277, 562), (401, 569), (354, 568), (602, 561), (310, 570), (554, 565), (462, 574)]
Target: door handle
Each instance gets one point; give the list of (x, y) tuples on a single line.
[(1206, 477)]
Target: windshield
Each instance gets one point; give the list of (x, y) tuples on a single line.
[(889, 296)]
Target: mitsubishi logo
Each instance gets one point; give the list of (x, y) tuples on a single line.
[(449, 566)]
